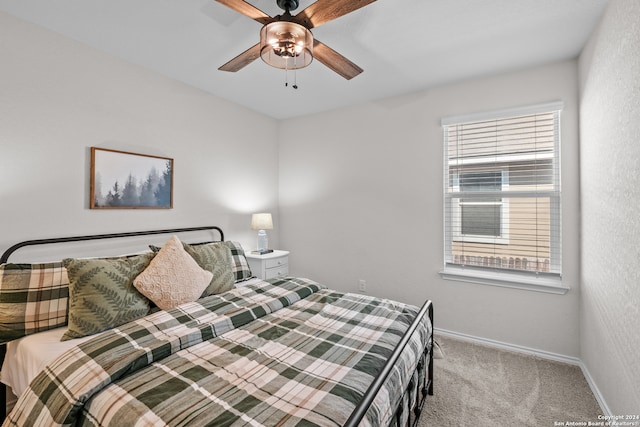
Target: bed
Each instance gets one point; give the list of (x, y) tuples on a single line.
[(282, 352)]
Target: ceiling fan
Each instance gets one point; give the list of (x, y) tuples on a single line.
[(286, 41)]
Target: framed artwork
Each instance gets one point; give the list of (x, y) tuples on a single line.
[(121, 180)]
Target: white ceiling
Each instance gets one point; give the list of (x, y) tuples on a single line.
[(403, 46)]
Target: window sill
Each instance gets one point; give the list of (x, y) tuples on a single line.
[(539, 283)]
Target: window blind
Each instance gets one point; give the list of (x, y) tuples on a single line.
[(502, 195)]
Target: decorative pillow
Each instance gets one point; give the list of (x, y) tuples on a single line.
[(173, 277), (33, 298), (216, 258), (102, 295), (240, 265)]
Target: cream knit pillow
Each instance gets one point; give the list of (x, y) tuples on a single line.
[(173, 277)]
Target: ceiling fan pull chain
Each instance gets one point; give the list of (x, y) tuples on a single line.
[(286, 75), (295, 73)]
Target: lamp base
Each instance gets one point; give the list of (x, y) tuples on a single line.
[(263, 242)]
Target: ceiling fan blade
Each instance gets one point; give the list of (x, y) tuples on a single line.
[(323, 11), (247, 9), (242, 60), (335, 61)]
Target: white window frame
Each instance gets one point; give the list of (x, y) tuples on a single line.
[(534, 281), (504, 216)]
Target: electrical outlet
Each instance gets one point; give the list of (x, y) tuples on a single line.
[(362, 285)]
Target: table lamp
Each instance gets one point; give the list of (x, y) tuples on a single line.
[(262, 222)]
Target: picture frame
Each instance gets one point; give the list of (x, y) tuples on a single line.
[(124, 180)]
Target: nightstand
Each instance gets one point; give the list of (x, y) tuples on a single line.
[(268, 266)]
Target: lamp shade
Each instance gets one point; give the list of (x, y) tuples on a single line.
[(286, 45), (261, 221)]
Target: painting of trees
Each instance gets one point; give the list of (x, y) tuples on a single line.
[(129, 180), (163, 192)]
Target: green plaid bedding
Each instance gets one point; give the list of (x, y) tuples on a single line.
[(33, 298), (289, 353)]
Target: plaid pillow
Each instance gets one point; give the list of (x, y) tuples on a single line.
[(33, 298), (239, 265)]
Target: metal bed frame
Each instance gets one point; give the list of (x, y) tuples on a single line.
[(424, 389)]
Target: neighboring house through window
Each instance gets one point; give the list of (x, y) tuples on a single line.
[(481, 219), (502, 198)]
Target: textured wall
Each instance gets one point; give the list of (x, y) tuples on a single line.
[(610, 193)]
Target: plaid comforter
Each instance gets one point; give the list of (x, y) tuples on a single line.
[(287, 353)]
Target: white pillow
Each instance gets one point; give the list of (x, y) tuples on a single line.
[(173, 277)]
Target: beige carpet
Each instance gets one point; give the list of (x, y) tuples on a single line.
[(482, 386)]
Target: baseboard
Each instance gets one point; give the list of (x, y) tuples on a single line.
[(534, 352), (595, 390)]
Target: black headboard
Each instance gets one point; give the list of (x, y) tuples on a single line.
[(5, 256)]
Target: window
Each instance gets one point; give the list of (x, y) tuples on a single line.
[(483, 219), (502, 198)]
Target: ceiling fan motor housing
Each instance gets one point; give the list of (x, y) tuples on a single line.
[(288, 5)]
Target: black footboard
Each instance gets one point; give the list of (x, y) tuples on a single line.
[(415, 391)]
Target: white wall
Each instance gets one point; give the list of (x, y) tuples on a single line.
[(610, 191), (361, 198), (59, 97)]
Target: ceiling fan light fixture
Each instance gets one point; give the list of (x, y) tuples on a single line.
[(286, 45)]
